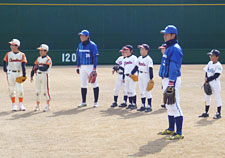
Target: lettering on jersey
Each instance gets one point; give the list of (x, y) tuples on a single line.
[(164, 55), (211, 70), (15, 60), (141, 64), (88, 55), (128, 62), (81, 50)]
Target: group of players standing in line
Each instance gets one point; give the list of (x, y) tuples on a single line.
[(126, 65)]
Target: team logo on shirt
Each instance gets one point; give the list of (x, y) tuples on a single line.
[(141, 64), (15, 60), (211, 70), (128, 62), (120, 63)]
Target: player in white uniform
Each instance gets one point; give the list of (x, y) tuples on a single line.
[(213, 71), (41, 68), (130, 85), (144, 66), (16, 61), (119, 68)]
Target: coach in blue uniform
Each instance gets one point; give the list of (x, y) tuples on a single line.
[(87, 59), (170, 72)]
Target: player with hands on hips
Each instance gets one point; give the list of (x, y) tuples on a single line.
[(14, 63), (119, 68), (170, 72), (212, 78), (87, 59), (144, 66), (41, 70)]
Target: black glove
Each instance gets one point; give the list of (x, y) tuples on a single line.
[(207, 88)]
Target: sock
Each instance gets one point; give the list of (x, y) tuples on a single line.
[(96, 93), (206, 108), (20, 100), (149, 102), (134, 99), (143, 101), (13, 100), (179, 123), (219, 109), (130, 100), (83, 94), (115, 98), (171, 122), (125, 99)]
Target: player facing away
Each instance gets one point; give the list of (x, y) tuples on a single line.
[(14, 63), (170, 72), (212, 76), (41, 69), (144, 66), (130, 85), (87, 59), (120, 83)]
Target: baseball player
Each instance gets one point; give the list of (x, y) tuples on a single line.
[(170, 72), (41, 68), (87, 59), (130, 85), (16, 61), (119, 68), (212, 77), (144, 66)]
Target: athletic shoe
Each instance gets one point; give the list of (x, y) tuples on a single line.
[(37, 108), (129, 106), (175, 136), (82, 105), (123, 105), (141, 109), (114, 104), (148, 109), (133, 107), (166, 132), (204, 115), (14, 108), (46, 109), (217, 116), (163, 106), (22, 108), (95, 105)]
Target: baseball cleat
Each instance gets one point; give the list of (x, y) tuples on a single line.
[(133, 107), (141, 109), (163, 106), (204, 115), (129, 106), (82, 105), (14, 108), (46, 109), (122, 105), (22, 108), (217, 116), (37, 108), (148, 109), (114, 104), (95, 105), (166, 132), (175, 136)]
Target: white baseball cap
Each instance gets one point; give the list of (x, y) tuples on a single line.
[(43, 47), (15, 41)]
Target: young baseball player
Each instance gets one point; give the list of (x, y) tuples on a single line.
[(212, 77), (130, 85), (87, 59), (144, 66), (119, 68), (41, 68), (170, 72), (16, 61)]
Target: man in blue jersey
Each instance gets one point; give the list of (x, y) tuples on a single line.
[(87, 59), (170, 72)]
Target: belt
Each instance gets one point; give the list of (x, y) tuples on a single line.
[(142, 72), (14, 70), (120, 73), (127, 74), (39, 72)]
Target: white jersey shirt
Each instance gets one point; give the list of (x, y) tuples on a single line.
[(211, 68), (144, 63), (14, 60), (44, 61), (129, 64), (120, 62)]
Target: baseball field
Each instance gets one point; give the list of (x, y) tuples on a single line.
[(104, 132)]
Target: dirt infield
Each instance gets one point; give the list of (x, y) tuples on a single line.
[(104, 132)]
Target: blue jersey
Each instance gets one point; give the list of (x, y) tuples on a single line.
[(88, 54), (171, 62)]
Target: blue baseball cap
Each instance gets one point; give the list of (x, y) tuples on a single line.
[(170, 29), (84, 32), (214, 52)]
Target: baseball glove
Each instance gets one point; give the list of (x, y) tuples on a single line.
[(116, 68), (207, 89), (169, 96), (134, 77), (92, 77), (150, 85), (21, 79)]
